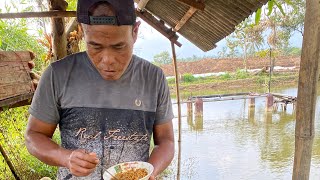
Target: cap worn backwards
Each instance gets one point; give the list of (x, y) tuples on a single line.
[(124, 13)]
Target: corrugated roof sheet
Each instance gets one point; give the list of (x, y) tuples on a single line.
[(205, 28)]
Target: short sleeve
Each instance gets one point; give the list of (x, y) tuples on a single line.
[(44, 104), (164, 111)]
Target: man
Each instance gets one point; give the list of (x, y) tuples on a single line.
[(107, 102)]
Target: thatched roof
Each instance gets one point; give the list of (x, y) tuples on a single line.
[(202, 22), (205, 28)]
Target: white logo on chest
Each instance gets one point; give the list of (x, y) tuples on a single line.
[(138, 102)]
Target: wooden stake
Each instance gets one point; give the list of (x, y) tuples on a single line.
[(307, 92), (179, 106), (7, 160)]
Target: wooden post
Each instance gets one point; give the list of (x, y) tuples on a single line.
[(59, 39), (307, 92), (269, 103), (252, 102), (268, 117), (189, 107), (251, 111), (198, 104), (179, 107), (198, 125), (7, 160)]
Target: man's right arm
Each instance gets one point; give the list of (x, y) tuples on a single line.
[(39, 143)]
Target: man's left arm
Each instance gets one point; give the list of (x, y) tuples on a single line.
[(163, 151)]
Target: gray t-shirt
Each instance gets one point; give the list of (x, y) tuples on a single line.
[(114, 119)]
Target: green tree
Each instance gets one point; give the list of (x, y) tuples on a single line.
[(15, 36), (247, 38), (162, 58), (278, 21)]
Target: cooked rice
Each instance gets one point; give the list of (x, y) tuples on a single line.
[(132, 174)]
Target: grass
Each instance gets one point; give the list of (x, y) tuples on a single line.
[(259, 79), (232, 83), (12, 128)]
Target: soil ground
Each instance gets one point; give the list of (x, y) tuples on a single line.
[(231, 65), (228, 65)]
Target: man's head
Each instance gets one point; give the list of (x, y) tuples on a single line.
[(110, 31)]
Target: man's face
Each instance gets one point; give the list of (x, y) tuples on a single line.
[(110, 48)]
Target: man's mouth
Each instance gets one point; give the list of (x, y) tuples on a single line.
[(108, 72)]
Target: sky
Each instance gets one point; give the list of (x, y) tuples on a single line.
[(150, 42)]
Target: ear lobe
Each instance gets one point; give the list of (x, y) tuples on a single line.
[(135, 30)]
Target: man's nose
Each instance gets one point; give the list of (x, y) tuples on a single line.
[(108, 58)]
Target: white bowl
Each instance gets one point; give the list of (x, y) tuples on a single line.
[(122, 167)]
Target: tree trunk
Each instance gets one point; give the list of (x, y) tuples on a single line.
[(307, 91), (59, 40)]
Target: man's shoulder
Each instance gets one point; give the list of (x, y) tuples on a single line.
[(146, 66), (68, 61)]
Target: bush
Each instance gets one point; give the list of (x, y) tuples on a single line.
[(12, 128), (241, 74), (171, 80), (225, 76), (188, 78)]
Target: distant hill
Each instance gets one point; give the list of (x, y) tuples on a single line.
[(230, 65)]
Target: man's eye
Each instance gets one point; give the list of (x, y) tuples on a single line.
[(119, 47), (96, 47)]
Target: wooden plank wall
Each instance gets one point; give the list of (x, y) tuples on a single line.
[(15, 77)]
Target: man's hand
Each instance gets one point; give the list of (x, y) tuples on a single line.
[(152, 177), (39, 143), (81, 163)]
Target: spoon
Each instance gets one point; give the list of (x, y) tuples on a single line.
[(112, 175)]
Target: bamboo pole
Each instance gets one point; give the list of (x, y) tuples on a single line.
[(307, 92), (179, 107), (7, 160)]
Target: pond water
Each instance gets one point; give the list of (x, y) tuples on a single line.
[(230, 143)]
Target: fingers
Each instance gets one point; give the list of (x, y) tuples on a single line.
[(152, 177), (80, 171), (82, 163)]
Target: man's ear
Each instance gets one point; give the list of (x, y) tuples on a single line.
[(135, 30)]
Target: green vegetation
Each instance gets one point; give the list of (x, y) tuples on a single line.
[(283, 19), (162, 58), (16, 35), (12, 128), (260, 79), (188, 78)]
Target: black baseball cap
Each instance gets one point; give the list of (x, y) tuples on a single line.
[(124, 13)]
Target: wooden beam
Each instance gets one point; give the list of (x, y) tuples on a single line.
[(307, 92), (142, 4), (52, 14), (9, 102), (156, 24), (184, 19), (194, 4)]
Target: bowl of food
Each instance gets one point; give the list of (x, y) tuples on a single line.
[(135, 170)]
